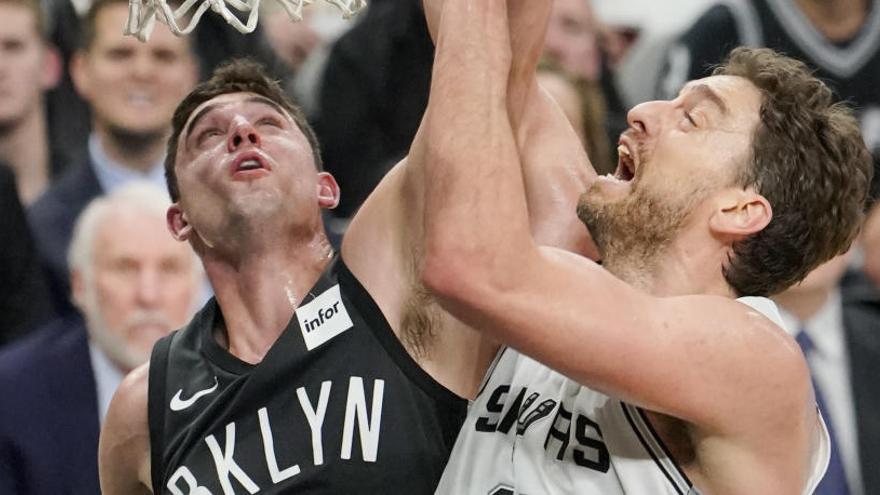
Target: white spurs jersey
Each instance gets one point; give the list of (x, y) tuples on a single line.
[(533, 431)]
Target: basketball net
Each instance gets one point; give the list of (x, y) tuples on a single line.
[(142, 14)]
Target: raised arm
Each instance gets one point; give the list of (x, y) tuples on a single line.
[(684, 357), (384, 243)]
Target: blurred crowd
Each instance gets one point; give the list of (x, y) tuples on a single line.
[(90, 277)]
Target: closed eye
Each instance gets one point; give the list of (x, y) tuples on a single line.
[(690, 119), (271, 121), (206, 134)]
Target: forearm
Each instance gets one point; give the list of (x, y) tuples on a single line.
[(475, 209)]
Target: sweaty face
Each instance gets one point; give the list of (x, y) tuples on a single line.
[(141, 286), (133, 87), (242, 160), (572, 38), (674, 156), (22, 62)]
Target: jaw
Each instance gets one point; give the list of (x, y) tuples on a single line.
[(606, 190)]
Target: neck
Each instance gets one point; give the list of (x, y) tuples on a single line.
[(803, 304), (24, 147), (259, 292), (675, 270), (136, 150), (837, 20)]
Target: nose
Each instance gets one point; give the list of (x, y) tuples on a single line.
[(647, 117), (142, 67), (243, 134), (148, 290)]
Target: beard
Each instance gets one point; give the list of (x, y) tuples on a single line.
[(633, 232), (124, 354)]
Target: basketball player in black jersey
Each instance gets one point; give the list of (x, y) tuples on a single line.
[(737, 187), (307, 372)]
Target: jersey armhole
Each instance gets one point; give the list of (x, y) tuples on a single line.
[(156, 408)]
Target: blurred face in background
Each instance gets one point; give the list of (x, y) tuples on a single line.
[(573, 38), (139, 286), (133, 87), (27, 68)]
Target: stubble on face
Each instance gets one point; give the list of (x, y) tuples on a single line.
[(632, 233)]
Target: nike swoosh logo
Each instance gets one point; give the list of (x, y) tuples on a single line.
[(178, 404)]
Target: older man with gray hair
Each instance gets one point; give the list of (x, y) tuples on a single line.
[(133, 284)]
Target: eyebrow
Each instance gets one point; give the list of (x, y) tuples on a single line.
[(708, 93), (213, 106)]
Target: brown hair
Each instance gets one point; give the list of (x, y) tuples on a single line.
[(809, 161), (236, 76), (36, 9)]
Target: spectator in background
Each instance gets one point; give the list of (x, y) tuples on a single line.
[(133, 88), (835, 320), (28, 67), (375, 88), (134, 283), (573, 38), (576, 41), (372, 96), (838, 38), (303, 46), (24, 296), (213, 41)]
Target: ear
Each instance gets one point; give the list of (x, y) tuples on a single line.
[(178, 225), (740, 213), (51, 68), (328, 191), (79, 75)]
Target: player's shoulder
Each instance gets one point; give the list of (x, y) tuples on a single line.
[(753, 328), (749, 316), (124, 451), (129, 404)]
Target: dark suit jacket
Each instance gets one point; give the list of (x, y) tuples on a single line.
[(51, 219), (373, 93), (861, 319), (24, 295), (49, 416)]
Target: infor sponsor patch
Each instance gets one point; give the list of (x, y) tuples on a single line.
[(323, 318)]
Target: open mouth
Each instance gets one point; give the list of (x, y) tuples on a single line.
[(627, 163), (248, 162)]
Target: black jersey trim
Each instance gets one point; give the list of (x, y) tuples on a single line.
[(651, 451), (156, 408), (663, 446), (491, 369), (381, 329)]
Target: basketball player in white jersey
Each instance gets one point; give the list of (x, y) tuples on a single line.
[(674, 375)]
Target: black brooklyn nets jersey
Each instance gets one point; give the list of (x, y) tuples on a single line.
[(851, 68), (336, 406)]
